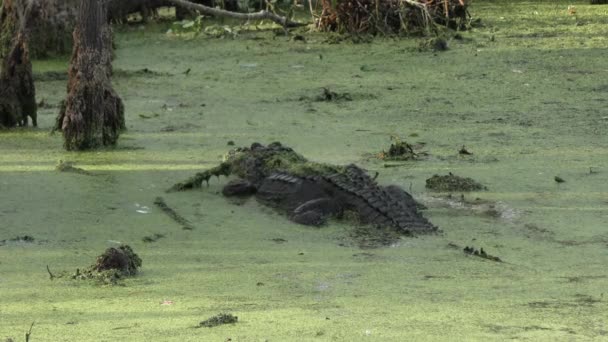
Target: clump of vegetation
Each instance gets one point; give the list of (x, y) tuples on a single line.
[(121, 259), (393, 16), (222, 318), (399, 150), (110, 267), (329, 96), (451, 182)]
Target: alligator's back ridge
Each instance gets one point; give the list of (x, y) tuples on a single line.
[(383, 206)]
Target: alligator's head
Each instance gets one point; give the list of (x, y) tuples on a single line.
[(259, 161)]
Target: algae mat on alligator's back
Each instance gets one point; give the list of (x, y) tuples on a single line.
[(528, 107)]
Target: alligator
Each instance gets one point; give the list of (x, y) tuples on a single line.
[(310, 193)]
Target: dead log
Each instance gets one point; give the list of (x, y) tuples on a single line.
[(228, 5), (93, 115), (17, 91), (216, 12)]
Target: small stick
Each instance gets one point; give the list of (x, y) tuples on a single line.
[(29, 333), (394, 165), (186, 225), (51, 275)]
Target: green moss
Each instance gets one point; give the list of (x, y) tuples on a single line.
[(242, 162), (280, 161), (312, 168)]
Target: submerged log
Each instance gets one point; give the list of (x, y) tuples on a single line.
[(93, 115), (17, 91)]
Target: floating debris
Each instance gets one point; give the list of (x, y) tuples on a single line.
[(451, 182), (463, 151), (219, 319), (559, 179), (399, 150), (153, 238), (480, 253), (24, 238), (329, 96)]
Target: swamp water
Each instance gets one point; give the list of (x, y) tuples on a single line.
[(526, 94)]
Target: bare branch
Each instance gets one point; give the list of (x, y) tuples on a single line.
[(283, 21)]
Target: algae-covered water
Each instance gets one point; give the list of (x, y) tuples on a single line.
[(526, 94)]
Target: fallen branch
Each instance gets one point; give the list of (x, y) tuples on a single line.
[(186, 225), (216, 12)]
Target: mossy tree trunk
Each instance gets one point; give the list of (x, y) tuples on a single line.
[(17, 92), (93, 115)]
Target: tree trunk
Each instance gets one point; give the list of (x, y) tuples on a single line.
[(49, 30), (93, 115), (51, 33), (17, 92)]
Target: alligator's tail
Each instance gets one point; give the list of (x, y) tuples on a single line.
[(382, 206)]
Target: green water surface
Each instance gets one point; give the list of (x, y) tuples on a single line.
[(527, 94)]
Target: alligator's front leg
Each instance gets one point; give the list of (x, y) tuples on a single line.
[(316, 212), (239, 187)]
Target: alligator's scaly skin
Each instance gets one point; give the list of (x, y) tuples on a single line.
[(351, 190), (310, 193)]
